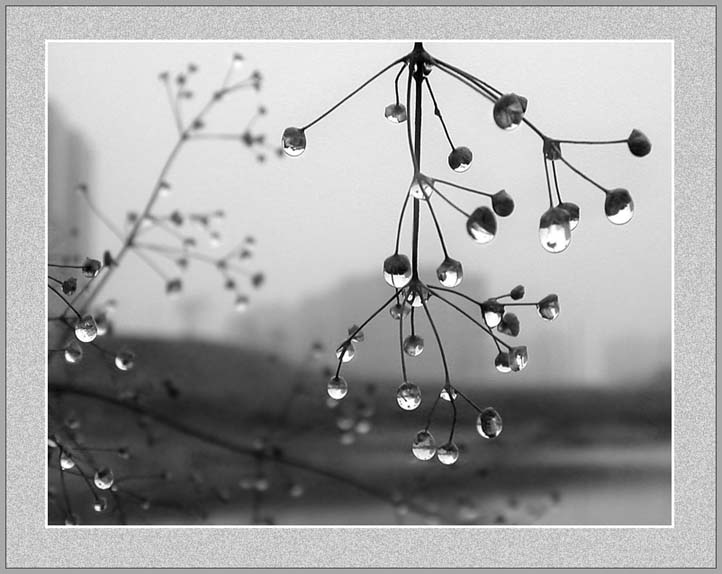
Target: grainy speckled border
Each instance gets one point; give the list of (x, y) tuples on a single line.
[(691, 542)]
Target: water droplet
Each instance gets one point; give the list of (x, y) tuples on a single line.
[(481, 225), (420, 187), (66, 461), (397, 270), (237, 60), (52, 442), (548, 308), (619, 206), (356, 334), (509, 111), (73, 353), (100, 504), (448, 393), (424, 445), (639, 143), (123, 453), (91, 267), (85, 329), (125, 360), (448, 453), (573, 210), (337, 388), (408, 396), (103, 478), (492, 312), (241, 303), (502, 203), (518, 358), (70, 285), (395, 113), (346, 352), (102, 324), (417, 294), (450, 272), (331, 403), (517, 292), (488, 423), (413, 345), (398, 310), (294, 141), (501, 362), (173, 287), (460, 159), (509, 325), (555, 231)]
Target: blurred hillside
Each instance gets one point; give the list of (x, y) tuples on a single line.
[(566, 455)]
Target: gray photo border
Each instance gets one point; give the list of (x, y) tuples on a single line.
[(689, 543)]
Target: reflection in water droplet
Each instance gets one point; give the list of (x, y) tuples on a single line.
[(413, 345), (294, 141), (492, 312), (85, 329), (501, 362), (73, 353), (103, 478), (548, 308), (337, 388), (408, 396), (395, 113), (460, 159), (554, 230), (397, 270), (450, 272), (619, 206), (424, 445), (488, 423), (448, 453), (481, 225), (445, 395), (346, 352), (66, 462), (518, 358), (125, 360), (573, 210)]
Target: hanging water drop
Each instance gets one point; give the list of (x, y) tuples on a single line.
[(502, 203), (509, 111), (125, 360), (408, 396), (518, 358), (73, 353), (619, 206), (481, 225), (448, 453), (66, 461), (398, 311), (85, 329), (554, 230), (294, 141), (509, 325), (501, 362), (488, 423), (450, 272), (337, 388), (460, 159), (424, 445), (103, 478), (346, 352), (397, 270), (448, 393), (91, 267), (395, 113), (573, 210), (492, 311), (548, 308), (413, 345), (100, 504)]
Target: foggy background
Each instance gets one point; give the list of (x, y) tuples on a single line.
[(324, 222)]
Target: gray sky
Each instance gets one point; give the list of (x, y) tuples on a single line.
[(330, 215)]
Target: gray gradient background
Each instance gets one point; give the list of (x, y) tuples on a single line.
[(690, 542)]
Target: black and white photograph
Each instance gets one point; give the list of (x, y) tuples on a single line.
[(360, 283)]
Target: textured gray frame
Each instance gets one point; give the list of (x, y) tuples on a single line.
[(690, 542)]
